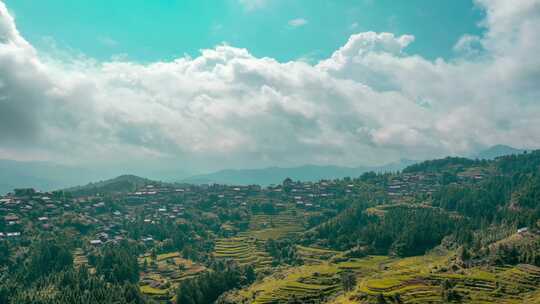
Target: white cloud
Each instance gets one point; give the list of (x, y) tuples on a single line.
[(251, 5), (469, 45), (298, 22), (370, 102)]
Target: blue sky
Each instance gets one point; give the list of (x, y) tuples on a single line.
[(147, 31)]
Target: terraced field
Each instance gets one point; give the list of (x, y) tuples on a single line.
[(248, 247), (244, 250), (284, 224), (421, 280), (160, 277), (79, 258), (314, 256), (306, 284)]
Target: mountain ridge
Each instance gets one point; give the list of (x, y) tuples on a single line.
[(47, 176), (275, 175)]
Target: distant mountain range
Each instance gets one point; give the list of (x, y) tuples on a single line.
[(275, 175), (498, 151), (47, 176), (41, 175)]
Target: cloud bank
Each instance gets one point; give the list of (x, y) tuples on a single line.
[(370, 102)]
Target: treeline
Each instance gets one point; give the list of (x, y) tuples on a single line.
[(206, 288), (444, 164), (283, 252), (513, 254), (512, 194), (46, 274), (69, 286), (403, 230)]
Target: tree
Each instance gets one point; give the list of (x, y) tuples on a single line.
[(4, 253), (48, 256), (348, 281), (117, 264)]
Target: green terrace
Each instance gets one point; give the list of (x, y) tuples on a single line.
[(161, 275), (244, 250)]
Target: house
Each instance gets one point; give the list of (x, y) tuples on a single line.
[(522, 230), (103, 236), (96, 242), (13, 234), (11, 218), (6, 201)]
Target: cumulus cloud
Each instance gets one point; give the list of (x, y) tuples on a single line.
[(469, 45), (370, 102)]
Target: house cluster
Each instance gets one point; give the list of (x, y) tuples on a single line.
[(410, 184), (26, 210)]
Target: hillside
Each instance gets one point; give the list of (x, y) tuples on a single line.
[(459, 244), (120, 184)]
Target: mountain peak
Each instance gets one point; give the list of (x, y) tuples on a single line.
[(498, 151)]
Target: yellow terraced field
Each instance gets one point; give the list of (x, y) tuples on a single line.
[(420, 280), (244, 250), (308, 283), (248, 246)]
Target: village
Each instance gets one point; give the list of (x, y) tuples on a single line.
[(139, 216), (178, 232), (25, 212)]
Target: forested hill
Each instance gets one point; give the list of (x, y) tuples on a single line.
[(120, 184), (467, 196), (452, 230)]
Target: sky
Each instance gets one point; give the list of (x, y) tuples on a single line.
[(207, 85), (281, 29)]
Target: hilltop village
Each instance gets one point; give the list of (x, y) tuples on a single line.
[(296, 242), (28, 211)]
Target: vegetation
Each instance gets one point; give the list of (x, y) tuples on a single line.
[(442, 231)]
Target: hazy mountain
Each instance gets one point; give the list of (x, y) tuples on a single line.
[(41, 175), (46, 176), (497, 151), (275, 175)]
